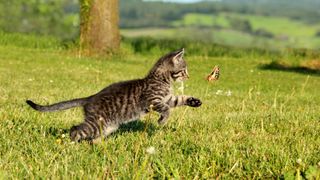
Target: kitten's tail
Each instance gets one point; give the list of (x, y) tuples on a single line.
[(58, 106)]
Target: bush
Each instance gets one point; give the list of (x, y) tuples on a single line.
[(146, 45), (240, 25), (263, 33)]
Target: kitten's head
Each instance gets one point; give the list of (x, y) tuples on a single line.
[(172, 66), (177, 66)]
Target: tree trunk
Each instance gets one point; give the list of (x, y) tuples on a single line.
[(99, 32)]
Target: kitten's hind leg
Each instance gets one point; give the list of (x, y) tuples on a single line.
[(77, 134), (106, 132), (87, 130), (110, 129), (91, 131)]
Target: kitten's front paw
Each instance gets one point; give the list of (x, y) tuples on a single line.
[(193, 102)]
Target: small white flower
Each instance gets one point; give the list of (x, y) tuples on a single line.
[(251, 70), (219, 92), (228, 93), (151, 150), (299, 161), (63, 135), (51, 81), (30, 79)]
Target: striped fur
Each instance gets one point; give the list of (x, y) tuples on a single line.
[(126, 101)]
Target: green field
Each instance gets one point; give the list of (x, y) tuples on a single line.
[(195, 19), (277, 25), (287, 33), (253, 124)]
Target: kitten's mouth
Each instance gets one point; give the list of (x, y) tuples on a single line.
[(180, 79)]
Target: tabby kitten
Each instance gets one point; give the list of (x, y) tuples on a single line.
[(126, 101)]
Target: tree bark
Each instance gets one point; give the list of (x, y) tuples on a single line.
[(99, 31)]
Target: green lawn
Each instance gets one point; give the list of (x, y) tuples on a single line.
[(253, 124)]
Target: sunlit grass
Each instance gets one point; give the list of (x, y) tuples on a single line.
[(253, 123)]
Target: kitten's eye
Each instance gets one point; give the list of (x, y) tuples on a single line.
[(177, 74)]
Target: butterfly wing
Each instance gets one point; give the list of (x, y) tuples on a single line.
[(215, 74)]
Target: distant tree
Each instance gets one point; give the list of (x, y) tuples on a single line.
[(45, 17), (263, 33), (240, 24), (99, 31)]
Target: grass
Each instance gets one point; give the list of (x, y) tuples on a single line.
[(267, 128), (31, 41)]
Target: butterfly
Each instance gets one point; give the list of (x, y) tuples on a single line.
[(214, 75)]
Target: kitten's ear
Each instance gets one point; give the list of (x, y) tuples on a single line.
[(178, 56)]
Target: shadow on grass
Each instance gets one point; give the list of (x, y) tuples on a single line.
[(56, 132), (139, 126), (274, 65), (134, 126)]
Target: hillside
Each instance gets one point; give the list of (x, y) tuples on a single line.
[(239, 30), (268, 24)]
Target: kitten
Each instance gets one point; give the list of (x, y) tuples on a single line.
[(126, 101)]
